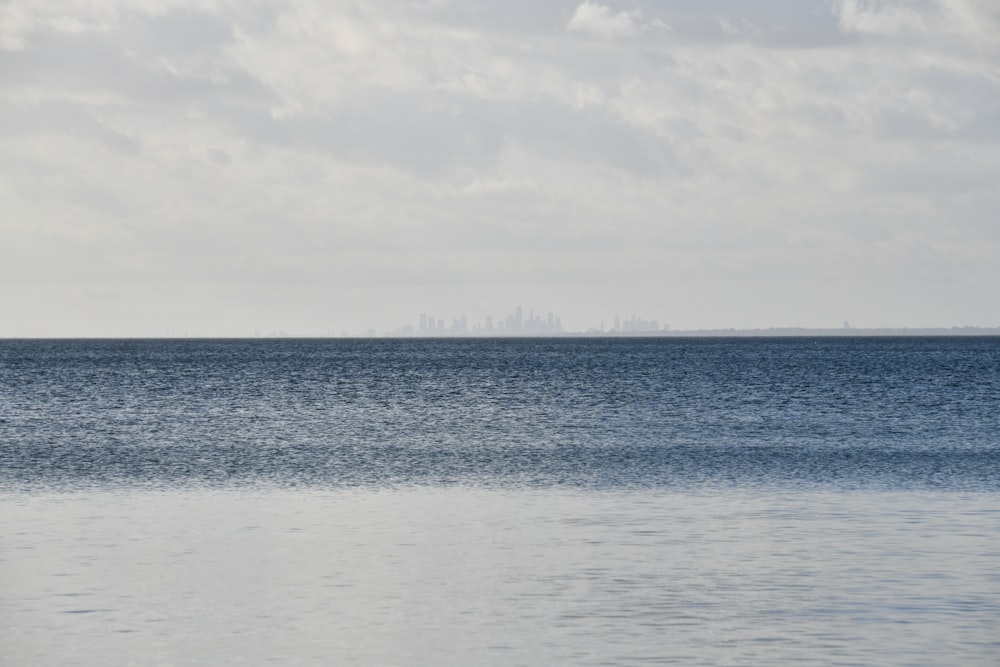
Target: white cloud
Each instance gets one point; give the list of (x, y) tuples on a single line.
[(879, 17), (16, 22), (603, 21)]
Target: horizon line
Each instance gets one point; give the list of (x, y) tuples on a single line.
[(773, 332)]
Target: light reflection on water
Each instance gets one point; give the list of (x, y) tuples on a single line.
[(474, 576)]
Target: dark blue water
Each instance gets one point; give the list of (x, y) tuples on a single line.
[(884, 413)]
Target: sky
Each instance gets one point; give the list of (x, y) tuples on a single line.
[(217, 168)]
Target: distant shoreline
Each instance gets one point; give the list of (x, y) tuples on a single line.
[(802, 331), (775, 332)]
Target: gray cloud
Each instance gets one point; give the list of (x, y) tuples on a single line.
[(62, 118)]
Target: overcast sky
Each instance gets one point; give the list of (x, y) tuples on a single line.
[(221, 168)]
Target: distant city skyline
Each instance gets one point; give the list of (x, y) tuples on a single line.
[(519, 322)]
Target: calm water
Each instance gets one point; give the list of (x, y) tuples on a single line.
[(753, 501)]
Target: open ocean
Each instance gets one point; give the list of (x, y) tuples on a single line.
[(590, 501)]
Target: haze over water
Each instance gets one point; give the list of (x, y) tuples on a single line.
[(570, 501)]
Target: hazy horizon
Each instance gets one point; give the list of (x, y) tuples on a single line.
[(217, 168), (589, 332)]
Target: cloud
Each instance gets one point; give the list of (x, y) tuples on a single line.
[(62, 118), (880, 18), (16, 23), (371, 156), (603, 21)]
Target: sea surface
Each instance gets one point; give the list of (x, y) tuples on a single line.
[(587, 501)]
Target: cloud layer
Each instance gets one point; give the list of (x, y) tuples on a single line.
[(223, 168)]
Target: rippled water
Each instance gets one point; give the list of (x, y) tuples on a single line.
[(888, 413), (505, 502)]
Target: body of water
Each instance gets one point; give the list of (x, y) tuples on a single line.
[(509, 501)]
